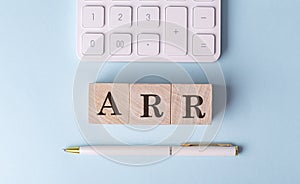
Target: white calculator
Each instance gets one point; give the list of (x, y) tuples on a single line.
[(149, 30)]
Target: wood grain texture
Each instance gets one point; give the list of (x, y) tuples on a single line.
[(137, 104), (183, 113), (150, 104), (98, 93)]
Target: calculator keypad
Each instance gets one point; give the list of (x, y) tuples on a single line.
[(149, 30)]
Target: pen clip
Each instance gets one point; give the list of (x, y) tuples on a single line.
[(203, 144)]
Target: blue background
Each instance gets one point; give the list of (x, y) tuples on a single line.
[(260, 61)]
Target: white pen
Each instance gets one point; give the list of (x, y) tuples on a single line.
[(187, 149)]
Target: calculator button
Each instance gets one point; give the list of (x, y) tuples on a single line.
[(120, 16), (203, 45), (93, 16), (148, 17), (93, 44), (204, 17), (120, 44), (176, 31), (148, 44)]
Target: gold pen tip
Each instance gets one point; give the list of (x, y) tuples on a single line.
[(75, 150)]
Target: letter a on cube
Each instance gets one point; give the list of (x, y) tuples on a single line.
[(108, 103)]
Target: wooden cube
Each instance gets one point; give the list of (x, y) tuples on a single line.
[(191, 104), (150, 104), (108, 103)]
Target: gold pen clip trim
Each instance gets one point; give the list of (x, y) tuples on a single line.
[(218, 145), (199, 144)]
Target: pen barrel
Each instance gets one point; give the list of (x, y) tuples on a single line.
[(205, 151), (126, 150), (160, 150)]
